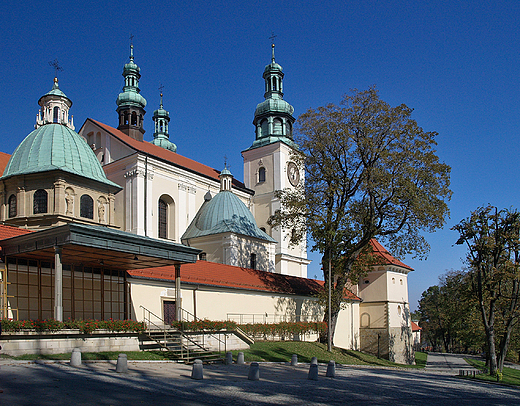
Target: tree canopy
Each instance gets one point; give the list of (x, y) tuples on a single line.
[(370, 171), (492, 238)]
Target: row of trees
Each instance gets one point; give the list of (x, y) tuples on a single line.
[(478, 308)]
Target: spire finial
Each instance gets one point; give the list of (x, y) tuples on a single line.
[(57, 68), (131, 47), (272, 37), (161, 89)]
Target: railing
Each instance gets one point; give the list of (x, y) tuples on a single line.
[(185, 317), (265, 318), (147, 318)]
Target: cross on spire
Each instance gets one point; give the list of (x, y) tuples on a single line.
[(272, 37), (56, 65)]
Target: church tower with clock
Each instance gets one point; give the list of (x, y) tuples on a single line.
[(268, 167)]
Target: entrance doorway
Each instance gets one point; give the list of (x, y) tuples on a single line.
[(169, 311)]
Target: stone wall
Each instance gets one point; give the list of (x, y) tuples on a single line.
[(29, 342), (395, 344)]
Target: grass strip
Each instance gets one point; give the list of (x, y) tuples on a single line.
[(510, 376)]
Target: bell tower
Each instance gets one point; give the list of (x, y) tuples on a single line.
[(130, 103), (268, 167)]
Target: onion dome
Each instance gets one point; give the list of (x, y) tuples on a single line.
[(274, 116), (130, 103), (161, 118)]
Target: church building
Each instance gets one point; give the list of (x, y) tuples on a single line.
[(102, 224)]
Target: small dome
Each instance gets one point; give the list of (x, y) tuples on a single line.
[(55, 147), (55, 91), (224, 213), (165, 143), (273, 66), (271, 105), (130, 97)]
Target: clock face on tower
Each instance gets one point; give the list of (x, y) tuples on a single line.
[(293, 174)]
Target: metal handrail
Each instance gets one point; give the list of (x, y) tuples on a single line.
[(195, 318)]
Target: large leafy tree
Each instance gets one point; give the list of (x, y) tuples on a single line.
[(371, 171), (493, 241)]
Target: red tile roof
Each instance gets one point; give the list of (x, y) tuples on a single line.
[(387, 258), (9, 231), (415, 327), (4, 159), (164, 154), (213, 274)]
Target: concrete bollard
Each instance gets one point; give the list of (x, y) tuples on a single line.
[(240, 358), (229, 358), (197, 372), (314, 360), (313, 372), (122, 364), (294, 360), (254, 372), (331, 369), (75, 358)]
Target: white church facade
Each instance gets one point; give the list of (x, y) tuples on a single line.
[(109, 224)]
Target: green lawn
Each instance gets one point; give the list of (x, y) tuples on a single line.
[(280, 351), (511, 376)]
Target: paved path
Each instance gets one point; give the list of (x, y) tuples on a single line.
[(447, 363), (166, 383)]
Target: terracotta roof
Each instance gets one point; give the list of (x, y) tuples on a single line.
[(165, 155), (4, 159), (385, 256), (415, 327), (213, 274), (10, 231)]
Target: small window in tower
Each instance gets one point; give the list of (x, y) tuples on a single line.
[(263, 229), (134, 118), (40, 202), (202, 256), (261, 175), (140, 120), (400, 280), (56, 118), (393, 281), (86, 207), (264, 125), (126, 118), (253, 261), (274, 84), (12, 206)]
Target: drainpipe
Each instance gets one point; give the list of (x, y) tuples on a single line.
[(145, 195)]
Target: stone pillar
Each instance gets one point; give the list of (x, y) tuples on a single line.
[(58, 285), (178, 306), (20, 201), (59, 197), (110, 216)]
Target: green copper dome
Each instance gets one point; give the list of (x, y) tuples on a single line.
[(55, 91), (274, 106), (55, 147), (222, 214)]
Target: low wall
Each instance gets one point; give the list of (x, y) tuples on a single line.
[(64, 341), (30, 342)]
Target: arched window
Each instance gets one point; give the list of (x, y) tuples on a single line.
[(86, 207), (261, 175), (202, 256), (253, 261), (56, 118), (40, 202), (163, 219), (126, 117), (265, 128), (134, 118), (288, 129), (274, 84), (12, 206)]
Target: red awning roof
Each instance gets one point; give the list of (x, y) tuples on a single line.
[(4, 159), (385, 256), (9, 231), (220, 275), (415, 327), (164, 154)]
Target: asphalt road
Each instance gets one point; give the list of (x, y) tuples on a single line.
[(164, 383)]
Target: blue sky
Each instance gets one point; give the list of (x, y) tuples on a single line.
[(455, 62)]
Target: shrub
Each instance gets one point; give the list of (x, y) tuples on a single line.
[(84, 326)]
